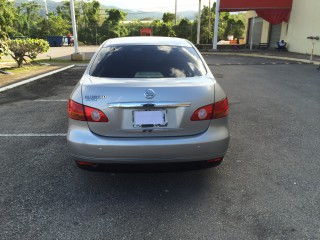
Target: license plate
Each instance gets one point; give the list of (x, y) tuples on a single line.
[(149, 118)]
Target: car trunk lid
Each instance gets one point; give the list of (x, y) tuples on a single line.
[(154, 107)]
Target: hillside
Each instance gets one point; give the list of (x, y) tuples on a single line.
[(137, 15), (131, 15)]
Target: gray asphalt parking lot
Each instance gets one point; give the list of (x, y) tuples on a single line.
[(267, 187)]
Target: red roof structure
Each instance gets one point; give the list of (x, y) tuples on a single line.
[(146, 32), (273, 11)]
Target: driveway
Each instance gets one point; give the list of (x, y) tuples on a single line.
[(266, 188), (64, 52)]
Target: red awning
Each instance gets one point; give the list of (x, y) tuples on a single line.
[(274, 11), (274, 16), (244, 5)]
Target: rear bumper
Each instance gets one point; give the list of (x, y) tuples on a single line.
[(87, 146)]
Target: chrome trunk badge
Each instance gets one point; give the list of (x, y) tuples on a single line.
[(94, 98), (150, 93)]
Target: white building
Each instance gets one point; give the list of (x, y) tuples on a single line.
[(304, 22)]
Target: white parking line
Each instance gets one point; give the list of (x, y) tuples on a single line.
[(34, 78), (35, 135), (48, 100)]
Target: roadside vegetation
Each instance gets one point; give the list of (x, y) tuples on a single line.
[(23, 20), (95, 24), (20, 49)]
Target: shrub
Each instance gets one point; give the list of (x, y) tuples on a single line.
[(20, 49)]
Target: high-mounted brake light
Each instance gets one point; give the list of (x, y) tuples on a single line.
[(81, 112), (211, 111)]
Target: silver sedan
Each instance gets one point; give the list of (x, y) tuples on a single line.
[(147, 100)]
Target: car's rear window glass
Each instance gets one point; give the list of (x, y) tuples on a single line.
[(147, 61)]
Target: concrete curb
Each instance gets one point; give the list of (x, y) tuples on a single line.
[(34, 78), (263, 56)]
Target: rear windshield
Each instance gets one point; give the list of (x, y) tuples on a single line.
[(147, 61)]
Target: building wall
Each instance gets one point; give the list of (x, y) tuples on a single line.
[(284, 31), (304, 21), (265, 27), (249, 14), (265, 32)]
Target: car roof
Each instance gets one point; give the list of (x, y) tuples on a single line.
[(169, 41)]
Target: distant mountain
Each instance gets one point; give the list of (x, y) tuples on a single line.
[(138, 15), (131, 15), (51, 5), (191, 15)]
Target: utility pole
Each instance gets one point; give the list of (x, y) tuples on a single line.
[(252, 29), (74, 27), (76, 56), (209, 27), (209, 14), (46, 8), (175, 13), (199, 18), (216, 25)]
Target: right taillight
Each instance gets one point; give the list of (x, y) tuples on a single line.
[(221, 109), (211, 111), (81, 112)]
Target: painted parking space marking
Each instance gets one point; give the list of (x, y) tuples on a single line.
[(51, 100), (254, 63), (34, 135), (34, 78)]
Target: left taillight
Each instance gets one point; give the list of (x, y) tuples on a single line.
[(76, 111), (211, 111), (81, 112)]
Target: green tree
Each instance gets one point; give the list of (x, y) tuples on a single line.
[(112, 26), (56, 25), (7, 15), (4, 48), (206, 23), (115, 15), (184, 29), (168, 17), (163, 29), (89, 21), (229, 24), (28, 19), (233, 27), (88, 17), (20, 49), (65, 13)]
